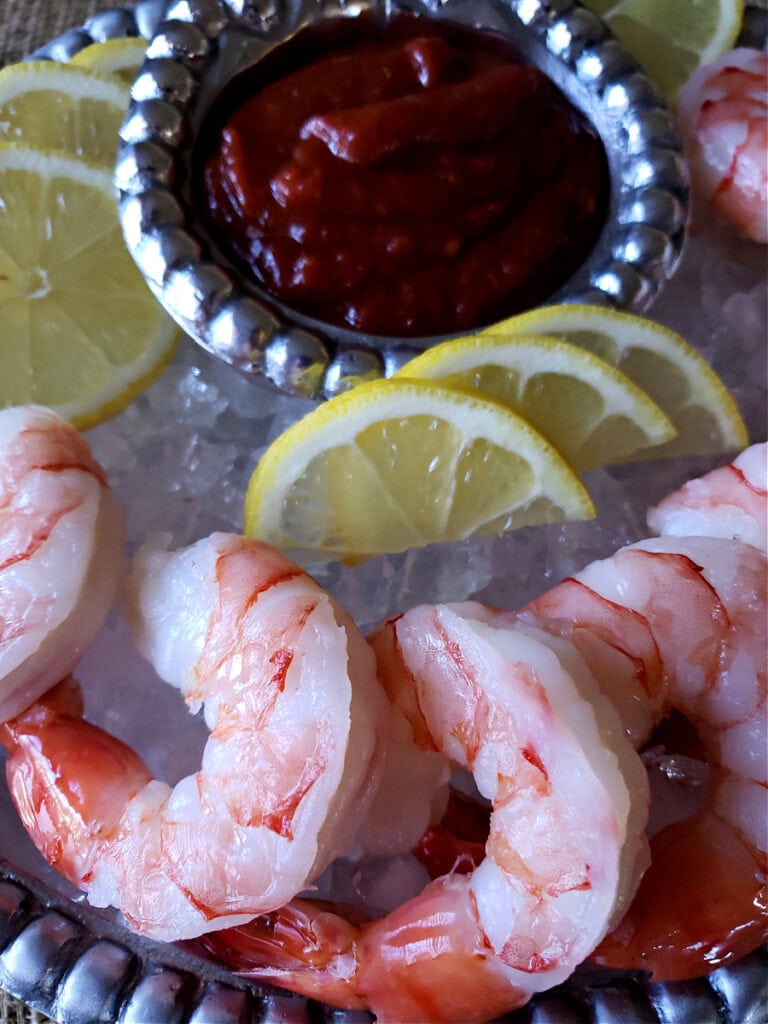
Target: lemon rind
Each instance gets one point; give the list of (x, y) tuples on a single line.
[(49, 76), (15, 156), (96, 57)]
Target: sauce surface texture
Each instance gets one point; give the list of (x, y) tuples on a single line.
[(422, 182)]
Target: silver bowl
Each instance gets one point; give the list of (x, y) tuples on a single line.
[(202, 44)]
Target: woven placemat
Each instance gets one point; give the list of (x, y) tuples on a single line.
[(27, 24), (14, 1012)]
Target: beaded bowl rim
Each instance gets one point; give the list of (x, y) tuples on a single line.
[(637, 252)]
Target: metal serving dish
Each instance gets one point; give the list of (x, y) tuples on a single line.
[(202, 44), (81, 965)]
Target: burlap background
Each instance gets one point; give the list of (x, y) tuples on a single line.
[(14, 1012), (25, 25)]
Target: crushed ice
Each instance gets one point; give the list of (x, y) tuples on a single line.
[(180, 456)]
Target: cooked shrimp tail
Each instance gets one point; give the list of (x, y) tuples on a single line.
[(699, 906), (402, 967), (61, 553), (68, 779), (307, 946), (456, 843)]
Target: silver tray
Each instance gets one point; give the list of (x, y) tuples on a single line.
[(203, 44), (80, 965)]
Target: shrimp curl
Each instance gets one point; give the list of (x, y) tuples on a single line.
[(289, 770)]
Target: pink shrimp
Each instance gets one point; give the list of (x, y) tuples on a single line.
[(683, 930), (700, 601), (728, 502), (289, 692), (724, 121), (678, 624), (61, 552), (564, 854), (720, 913)]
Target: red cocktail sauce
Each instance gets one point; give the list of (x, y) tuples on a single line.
[(417, 181)]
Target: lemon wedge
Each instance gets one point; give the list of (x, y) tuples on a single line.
[(121, 57), (397, 464), (590, 412), (671, 38), (659, 362), (62, 107), (80, 331)]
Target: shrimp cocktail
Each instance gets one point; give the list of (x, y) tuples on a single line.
[(463, 586)]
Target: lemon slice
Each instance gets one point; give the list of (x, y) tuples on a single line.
[(671, 38), (80, 331), (121, 57), (397, 464), (590, 412), (61, 107), (659, 362)]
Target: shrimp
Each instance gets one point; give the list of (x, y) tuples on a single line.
[(61, 552), (289, 693), (702, 902), (678, 624), (728, 502), (629, 631), (563, 857), (723, 117), (697, 608)]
